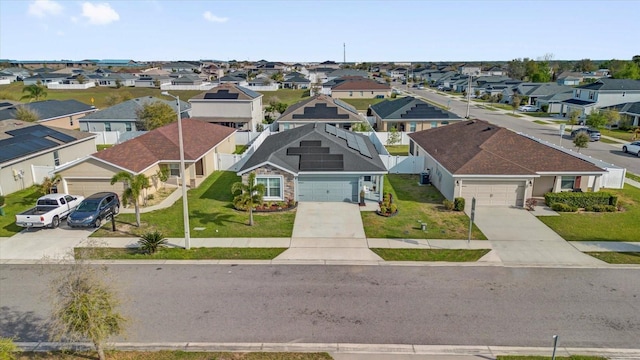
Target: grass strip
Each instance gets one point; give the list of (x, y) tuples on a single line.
[(632, 176), (455, 255), (400, 150), (203, 253), (514, 115), (541, 122), (537, 357), (617, 257), (173, 355)]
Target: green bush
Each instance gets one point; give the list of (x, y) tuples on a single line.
[(2, 200), (563, 207), (581, 200), (602, 208), (7, 348), (448, 204), (613, 200), (458, 204), (150, 242), (545, 108)]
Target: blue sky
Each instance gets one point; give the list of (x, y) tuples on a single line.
[(294, 30)]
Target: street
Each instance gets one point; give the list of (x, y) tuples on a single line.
[(435, 305), (611, 153)]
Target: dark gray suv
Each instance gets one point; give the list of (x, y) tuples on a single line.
[(94, 209), (594, 135)]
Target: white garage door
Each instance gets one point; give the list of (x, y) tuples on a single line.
[(328, 190), (509, 193), (86, 187)]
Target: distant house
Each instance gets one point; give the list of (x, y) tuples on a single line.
[(148, 154), (25, 147), (321, 109), (59, 113), (124, 116), (117, 79), (296, 82), (44, 79), (409, 114), (229, 105), (530, 92), (602, 93), (359, 88), (229, 79), (630, 111), (179, 66)]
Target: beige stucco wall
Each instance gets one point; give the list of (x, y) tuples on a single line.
[(67, 122), (357, 94), (420, 125), (219, 108)]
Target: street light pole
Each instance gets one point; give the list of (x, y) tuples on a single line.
[(468, 97), (185, 204)]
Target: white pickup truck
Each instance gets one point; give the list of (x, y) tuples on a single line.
[(49, 210)]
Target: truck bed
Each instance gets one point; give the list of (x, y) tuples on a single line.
[(38, 210)]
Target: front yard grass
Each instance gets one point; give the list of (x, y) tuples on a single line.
[(417, 203), (401, 150), (618, 134), (287, 96), (362, 104), (210, 208), (617, 257), (172, 355), (14, 204), (537, 357), (541, 122), (179, 254), (449, 255), (618, 226), (514, 115), (632, 176)]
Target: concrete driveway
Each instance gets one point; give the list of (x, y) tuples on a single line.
[(519, 238), (327, 231), (35, 244)]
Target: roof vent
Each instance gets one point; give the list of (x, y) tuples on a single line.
[(488, 129)]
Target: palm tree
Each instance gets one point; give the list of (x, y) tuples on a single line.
[(134, 186), (49, 182), (34, 92), (250, 194)]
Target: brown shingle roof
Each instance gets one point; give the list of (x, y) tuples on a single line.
[(476, 147), (360, 84), (162, 144)]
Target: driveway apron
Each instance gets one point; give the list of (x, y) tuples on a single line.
[(36, 244), (519, 238), (328, 231)]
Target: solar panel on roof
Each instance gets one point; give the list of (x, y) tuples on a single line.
[(341, 133), (310, 143), (351, 141), (222, 94), (62, 137), (321, 162), (330, 129), (362, 147)]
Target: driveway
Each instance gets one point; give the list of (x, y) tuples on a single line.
[(519, 238), (35, 244), (328, 231)]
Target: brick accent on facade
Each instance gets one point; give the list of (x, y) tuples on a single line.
[(288, 179)]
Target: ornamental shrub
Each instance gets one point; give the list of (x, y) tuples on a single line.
[(563, 207), (579, 199), (448, 204), (458, 204)]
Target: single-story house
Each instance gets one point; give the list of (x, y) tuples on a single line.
[(149, 154), (630, 110), (63, 114), (409, 114), (322, 109), (317, 162), (359, 88), (476, 159), (28, 152), (296, 82)]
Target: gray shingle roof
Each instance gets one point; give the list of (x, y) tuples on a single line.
[(320, 107), (243, 93), (128, 110), (49, 109), (612, 84), (410, 108), (274, 150)]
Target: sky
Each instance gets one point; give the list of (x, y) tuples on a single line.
[(312, 31)]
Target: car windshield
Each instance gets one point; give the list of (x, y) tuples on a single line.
[(88, 206)]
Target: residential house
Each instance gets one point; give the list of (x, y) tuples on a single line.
[(149, 154), (553, 102), (319, 109), (602, 93), (235, 80), (7, 78), (296, 82), (356, 87), (498, 167), (347, 73), (229, 105), (316, 162), (28, 152), (123, 117), (44, 79), (630, 111), (530, 92), (59, 113), (180, 66), (116, 80), (152, 81), (409, 114)]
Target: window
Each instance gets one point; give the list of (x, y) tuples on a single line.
[(174, 170), (567, 182), (434, 124), (577, 93), (361, 93), (591, 94), (367, 178), (272, 187), (56, 158), (412, 126), (444, 123), (350, 93), (411, 147), (107, 126), (127, 126)]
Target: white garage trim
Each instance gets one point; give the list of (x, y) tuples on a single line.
[(494, 192)]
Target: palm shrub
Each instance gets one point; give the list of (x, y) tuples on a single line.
[(150, 242), (248, 195)]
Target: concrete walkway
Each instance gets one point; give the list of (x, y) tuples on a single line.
[(519, 238)]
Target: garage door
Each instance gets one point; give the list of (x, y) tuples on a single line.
[(86, 187), (494, 192), (329, 190)]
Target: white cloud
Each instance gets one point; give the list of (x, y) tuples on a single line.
[(42, 8), (210, 17), (60, 33), (99, 14)]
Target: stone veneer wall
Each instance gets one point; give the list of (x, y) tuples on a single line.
[(289, 182)]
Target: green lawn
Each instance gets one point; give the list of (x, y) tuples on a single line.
[(14, 204), (618, 134), (103, 146), (362, 104), (172, 355), (632, 176), (430, 254), (240, 149), (417, 203), (541, 122), (209, 208), (503, 106), (618, 226), (180, 253), (538, 114), (514, 115), (607, 141), (535, 357), (617, 257), (287, 96), (401, 150)]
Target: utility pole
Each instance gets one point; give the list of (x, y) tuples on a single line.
[(468, 96), (344, 53)]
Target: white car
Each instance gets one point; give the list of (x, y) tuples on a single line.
[(528, 108), (632, 147)]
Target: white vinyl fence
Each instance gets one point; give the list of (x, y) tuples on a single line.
[(115, 137), (233, 162), (403, 164), (272, 87), (58, 86), (613, 178), (40, 172)]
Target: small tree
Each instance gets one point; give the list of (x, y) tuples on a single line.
[(248, 195), (81, 79), (515, 101), (23, 113), (581, 140), (134, 184), (573, 118), (155, 115), (612, 117), (49, 182), (394, 136), (34, 92), (596, 119), (112, 99), (85, 307)]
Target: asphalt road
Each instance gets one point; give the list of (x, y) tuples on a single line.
[(352, 304), (611, 153)]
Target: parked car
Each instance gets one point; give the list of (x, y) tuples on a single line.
[(528, 108), (49, 210), (420, 87), (94, 209), (594, 135), (632, 147)]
